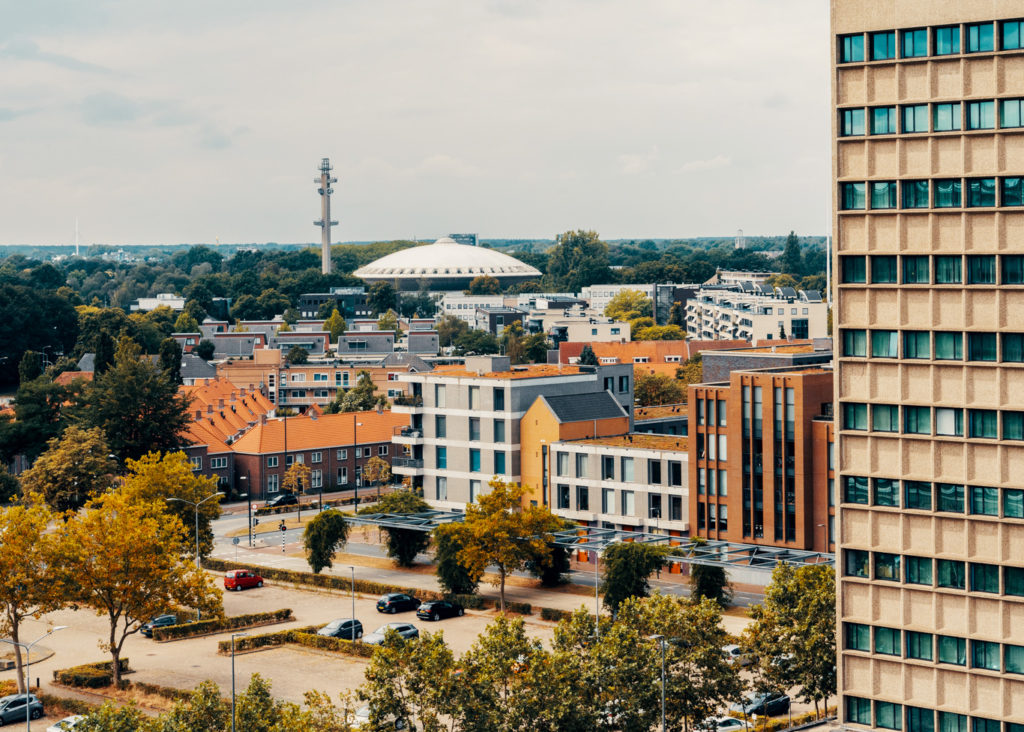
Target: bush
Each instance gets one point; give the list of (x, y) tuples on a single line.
[(326, 643), (217, 625), (90, 675), (550, 613), (523, 608), (470, 602), (300, 636)]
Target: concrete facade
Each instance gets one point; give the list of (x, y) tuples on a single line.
[(724, 314), (928, 159)]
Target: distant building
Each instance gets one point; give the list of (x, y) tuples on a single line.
[(464, 307), (643, 352), (467, 239), (737, 277), (598, 296), (756, 313), (349, 301), (164, 299), (664, 419), (717, 365), (494, 320)]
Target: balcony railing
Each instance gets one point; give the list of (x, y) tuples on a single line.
[(408, 400), (407, 431), (406, 462)]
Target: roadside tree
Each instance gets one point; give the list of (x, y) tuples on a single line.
[(323, 536), (452, 574), (377, 471), (627, 570), (402, 544), (296, 478)]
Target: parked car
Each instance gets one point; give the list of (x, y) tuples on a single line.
[(397, 602), (361, 721), (283, 499), (66, 725), (346, 628), (12, 708), (160, 621), (406, 630), (736, 655), (724, 724), (766, 704), (241, 579), (437, 609)]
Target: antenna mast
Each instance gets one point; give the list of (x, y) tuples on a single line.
[(325, 180)]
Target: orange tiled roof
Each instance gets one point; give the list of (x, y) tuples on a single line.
[(224, 409), (658, 412), (655, 350), (199, 434), (65, 378), (675, 443), (526, 371), (330, 430)]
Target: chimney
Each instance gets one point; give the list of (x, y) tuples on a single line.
[(209, 409), (263, 419), (199, 414), (221, 405)]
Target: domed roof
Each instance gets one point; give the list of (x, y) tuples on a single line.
[(445, 259)]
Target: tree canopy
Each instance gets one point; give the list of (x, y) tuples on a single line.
[(75, 468)]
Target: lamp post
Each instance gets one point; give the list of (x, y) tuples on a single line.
[(28, 662), (661, 642), (196, 505), (233, 636), (353, 597)]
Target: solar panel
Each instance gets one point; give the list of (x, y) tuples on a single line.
[(810, 295)]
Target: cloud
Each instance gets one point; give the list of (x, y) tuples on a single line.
[(719, 161), (443, 165), (7, 114), (637, 163), (109, 108), (25, 49)]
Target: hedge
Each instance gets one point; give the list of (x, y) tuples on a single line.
[(89, 675), (217, 625), (777, 724), (553, 614), (300, 636), (523, 608)]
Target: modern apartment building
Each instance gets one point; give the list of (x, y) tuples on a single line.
[(464, 426), (928, 159), (761, 458), (756, 313)]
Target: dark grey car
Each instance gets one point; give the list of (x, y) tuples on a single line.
[(406, 630), (346, 628), (12, 708)]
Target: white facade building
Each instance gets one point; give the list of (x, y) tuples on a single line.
[(716, 314), (464, 307), (600, 295)]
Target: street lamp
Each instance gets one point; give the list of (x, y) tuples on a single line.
[(196, 505), (233, 636), (353, 599), (28, 662), (661, 642)]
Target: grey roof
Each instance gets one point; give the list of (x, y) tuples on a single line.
[(581, 407), (193, 367), (87, 362), (414, 362)]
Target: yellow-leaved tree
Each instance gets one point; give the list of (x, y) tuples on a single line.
[(125, 559)]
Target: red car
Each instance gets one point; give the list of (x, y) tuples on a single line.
[(241, 579)]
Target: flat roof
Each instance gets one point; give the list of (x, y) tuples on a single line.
[(803, 348), (659, 412), (642, 440), (526, 371)]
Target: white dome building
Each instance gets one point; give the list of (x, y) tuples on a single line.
[(445, 265)]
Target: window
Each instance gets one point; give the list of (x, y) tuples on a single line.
[(981, 269), (883, 45), (948, 270), (883, 121), (855, 489), (885, 418), (654, 505), (887, 567), (1013, 503), (499, 430), (984, 578), (858, 710), (920, 720), (949, 346), (947, 40), (854, 269), (654, 472), (950, 498), (440, 425), (851, 48), (952, 650), (474, 397), (855, 343), (442, 457), (984, 654), (474, 461), (628, 503), (623, 384), (915, 194), (884, 270), (946, 117), (981, 192), (980, 37), (272, 461), (981, 346), (499, 400), (563, 496), (273, 483), (1012, 192), (1014, 663), (888, 641), (884, 344), (607, 500), (915, 270), (474, 490), (342, 476), (441, 489), (915, 118), (887, 492), (1012, 35), (917, 494), (856, 563), (675, 508), (197, 462), (499, 463), (948, 193), (858, 637), (474, 429), (1013, 347), (581, 465), (562, 464), (950, 722), (981, 116), (1013, 425), (341, 455), (700, 411), (1013, 581), (915, 43), (218, 462), (1011, 112), (628, 475), (855, 416), (887, 714), (316, 479), (984, 423), (919, 570), (1012, 269), (851, 122), (917, 344), (316, 457), (852, 196), (582, 498), (607, 467), (950, 574), (439, 396), (984, 725)]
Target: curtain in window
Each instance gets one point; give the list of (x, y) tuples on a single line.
[(884, 343), (947, 194), (948, 270)]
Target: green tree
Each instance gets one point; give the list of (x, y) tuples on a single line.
[(297, 479), (587, 356), (111, 717), (791, 260), (388, 321), (475, 342), (126, 560), (578, 259), (360, 397), (654, 389), (186, 324), (170, 359), (335, 325), (39, 416), (205, 349), (484, 285), (781, 280), (30, 367), (10, 487), (628, 305), (449, 329), (380, 297), (512, 342), (677, 315), (553, 567), (297, 355), (711, 582), (815, 283), (203, 711), (452, 574), (258, 711), (403, 544), (499, 531), (103, 358), (535, 348), (691, 372), (285, 327), (322, 537), (75, 467), (378, 471), (135, 404), (291, 316), (660, 333), (628, 567)]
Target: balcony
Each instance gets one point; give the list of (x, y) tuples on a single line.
[(407, 403), (407, 465), (406, 435)]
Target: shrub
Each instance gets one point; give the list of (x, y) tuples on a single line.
[(523, 608), (216, 625), (300, 636), (252, 642), (471, 602), (550, 613), (89, 675)]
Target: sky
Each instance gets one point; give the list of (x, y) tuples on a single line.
[(197, 121)]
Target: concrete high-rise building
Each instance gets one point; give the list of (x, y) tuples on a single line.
[(928, 223)]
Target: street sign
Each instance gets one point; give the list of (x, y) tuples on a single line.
[(235, 541)]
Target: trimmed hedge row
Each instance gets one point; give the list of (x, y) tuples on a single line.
[(777, 724), (216, 625), (252, 642), (523, 608), (167, 692), (90, 675), (553, 614), (300, 636)]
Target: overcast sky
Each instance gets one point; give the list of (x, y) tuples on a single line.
[(168, 122)]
